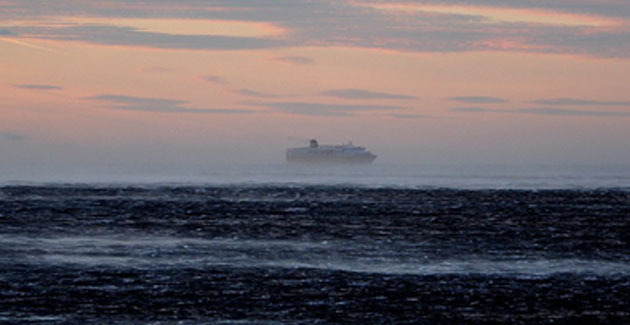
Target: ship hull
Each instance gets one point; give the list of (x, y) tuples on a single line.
[(304, 159)]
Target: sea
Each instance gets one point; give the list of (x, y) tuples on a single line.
[(285, 244)]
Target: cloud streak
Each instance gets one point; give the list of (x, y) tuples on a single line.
[(215, 80), (477, 99), (128, 36), (37, 87), (410, 116), (363, 94), (14, 137), (472, 109), (300, 60), (548, 111), (156, 105), (319, 109), (591, 7), (254, 93), (579, 102), (584, 27), (572, 112)]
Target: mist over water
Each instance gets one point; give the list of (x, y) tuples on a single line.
[(376, 175)]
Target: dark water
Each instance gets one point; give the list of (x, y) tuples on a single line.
[(259, 254)]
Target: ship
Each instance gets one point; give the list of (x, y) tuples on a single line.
[(334, 154)]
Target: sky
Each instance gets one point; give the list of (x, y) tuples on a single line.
[(92, 83)]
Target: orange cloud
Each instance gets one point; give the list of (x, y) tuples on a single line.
[(493, 15), (186, 26), (171, 26)]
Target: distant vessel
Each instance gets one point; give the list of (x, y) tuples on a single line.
[(337, 154)]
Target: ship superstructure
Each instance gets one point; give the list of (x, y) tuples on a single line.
[(315, 153)]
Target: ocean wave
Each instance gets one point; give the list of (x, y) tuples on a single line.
[(171, 252)]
